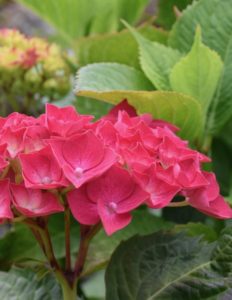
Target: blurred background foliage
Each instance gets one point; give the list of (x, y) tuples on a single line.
[(89, 31)]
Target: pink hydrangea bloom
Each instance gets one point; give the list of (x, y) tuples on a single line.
[(110, 167)]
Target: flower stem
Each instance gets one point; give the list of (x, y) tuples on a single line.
[(67, 279), (67, 238), (69, 292), (87, 233), (178, 204)]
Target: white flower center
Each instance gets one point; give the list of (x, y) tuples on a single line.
[(46, 180), (112, 206), (79, 171)]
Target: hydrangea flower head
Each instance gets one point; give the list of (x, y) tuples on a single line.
[(106, 168)]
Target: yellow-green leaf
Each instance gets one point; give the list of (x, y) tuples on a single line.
[(197, 74)]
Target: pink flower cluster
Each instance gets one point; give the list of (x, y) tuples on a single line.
[(109, 167)]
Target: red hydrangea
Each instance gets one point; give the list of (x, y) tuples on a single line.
[(109, 167)]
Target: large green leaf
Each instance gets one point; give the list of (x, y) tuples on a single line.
[(156, 60), (221, 109), (76, 18), (115, 47), (111, 76), (112, 87), (17, 245), (215, 20), (166, 15), (87, 107), (92, 107), (198, 73), (102, 246), (198, 229), (25, 285), (167, 266)]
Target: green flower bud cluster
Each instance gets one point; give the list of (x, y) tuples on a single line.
[(31, 67)]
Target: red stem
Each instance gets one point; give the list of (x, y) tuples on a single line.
[(67, 238), (87, 233)]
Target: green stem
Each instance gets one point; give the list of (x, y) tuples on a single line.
[(178, 204), (69, 291)]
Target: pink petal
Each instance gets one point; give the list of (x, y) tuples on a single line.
[(208, 200), (111, 221), (14, 141), (32, 203), (160, 192), (116, 194), (65, 121), (41, 170), (5, 200), (34, 139), (83, 157), (115, 184), (83, 209), (122, 106)]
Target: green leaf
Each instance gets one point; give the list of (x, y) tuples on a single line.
[(222, 163), (208, 15), (102, 246), (91, 107), (111, 76), (166, 16), (167, 266), (73, 19), (215, 19), (221, 109), (87, 107), (113, 87), (156, 60), (19, 245), (197, 74), (225, 134), (25, 285), (94, 286), (115, 47), (198, 229)]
